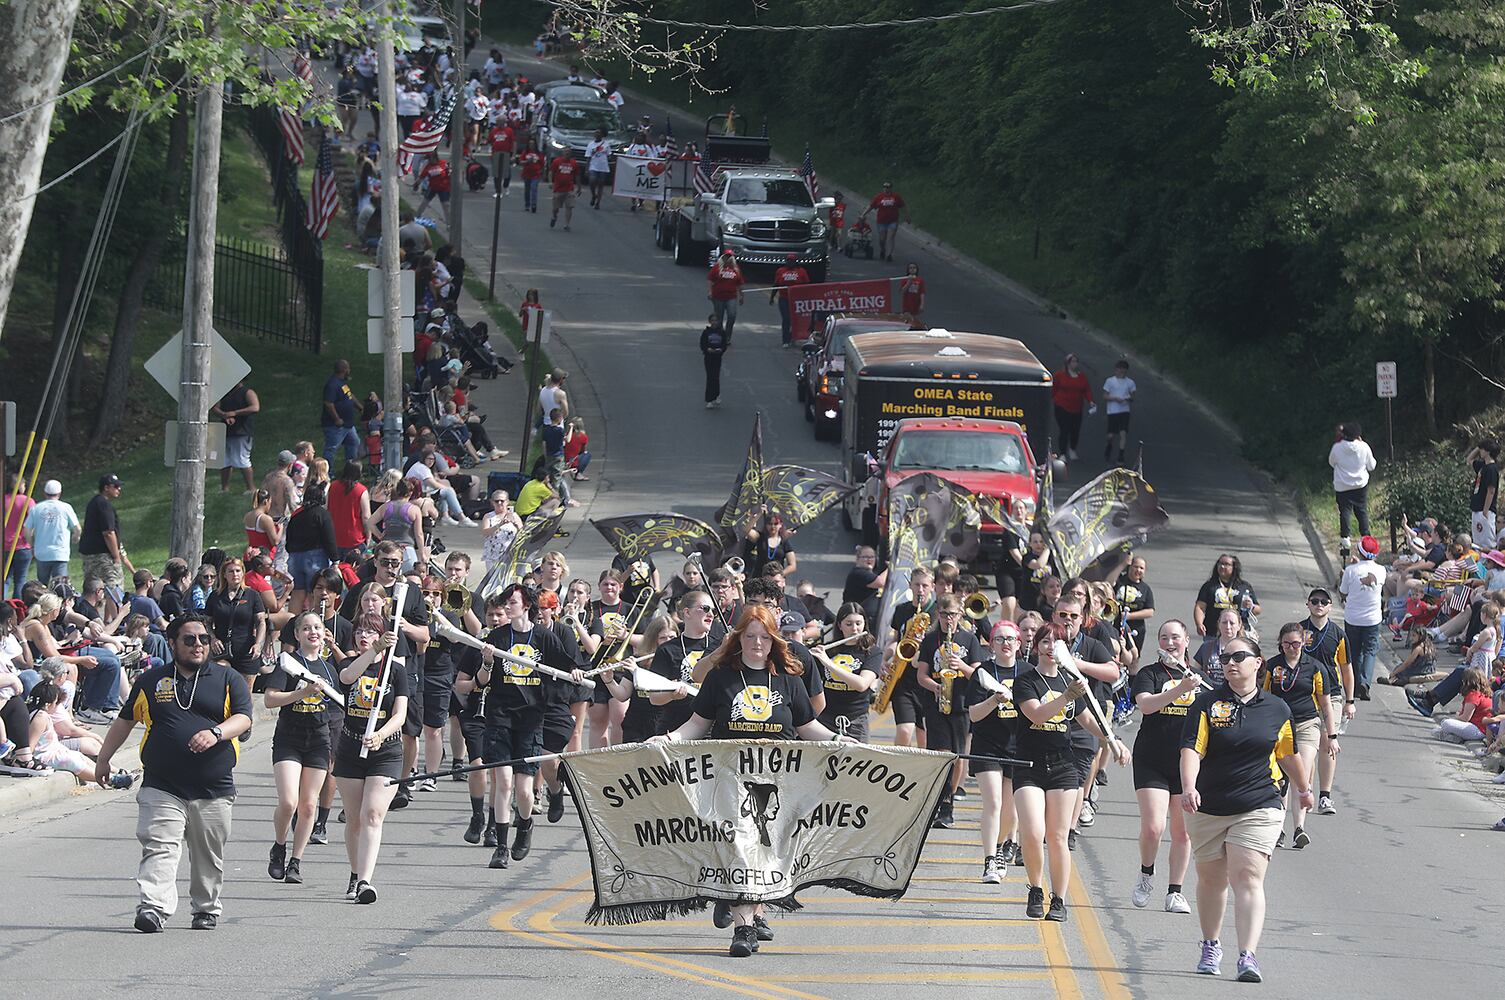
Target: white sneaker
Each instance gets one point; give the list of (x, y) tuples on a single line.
[(1142, 889), (466, 522), (1089, 815), (1176, 903), (446, 519), (1499, 779), (95, 717), (708, 406)]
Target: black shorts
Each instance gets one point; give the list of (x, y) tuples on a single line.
[(385, 762), (600, 696), (1084, 759), (335, 726), (1052, 772), (1008, 586), (514, 736), (307, 744), (907, 707), (437, 689), (854, 726), (1157, 768), (413, 724), (986, 749), (558, 728), (947, 732), (473, 729), (1118, 422), (456, 706)]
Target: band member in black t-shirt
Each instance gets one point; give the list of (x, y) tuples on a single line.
[(851, 673), (439, 672), (471, 719), (515, 704), (365, 782), (641, 719), (948, 655), (906, 703), (564, 709), (1097, 662), (301, 750), (195, 710), (326, 593), (995, 734), (1136, 601), (767, 592), (751, 690), (1163, 690), (679, 658), (1229, 792), (1045, 793), (1301, 681), (608, 624)]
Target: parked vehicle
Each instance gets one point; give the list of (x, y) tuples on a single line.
[(570, 125), (818, 379)]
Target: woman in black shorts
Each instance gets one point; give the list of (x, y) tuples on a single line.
[(301, 750), (995, 734), (1163, 691), (468, 707), (851, 673), (366, 787), (1045, 792), (752, 690)]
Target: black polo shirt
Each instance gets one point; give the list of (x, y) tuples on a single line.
[(157, 700), (1239, 743), (1300, 687)]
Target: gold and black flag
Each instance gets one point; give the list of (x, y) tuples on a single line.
[(636, 536), (745, 504), (530, 541), (1117, 508), (947, 519), (800, 495)]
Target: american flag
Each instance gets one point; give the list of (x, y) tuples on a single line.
[(807, 171), (324, 199), (426, 138), (291, 127), (303, 69), (705, 176), (671, 148)]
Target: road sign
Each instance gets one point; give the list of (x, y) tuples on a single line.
[(225, 366), (10, 427), (376, 335), (376, 293), (545, 320), (1385, 379), (214, 448)]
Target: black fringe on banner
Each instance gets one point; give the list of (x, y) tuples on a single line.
[(638, 913)]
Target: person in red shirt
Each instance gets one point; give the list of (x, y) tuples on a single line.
[(837, 217), (1071, 392), (503, 142), (912, 293), (726, 290), (886, 205), (564, 174), (530, 169), (577, 454), (790, 274), (434, 180)]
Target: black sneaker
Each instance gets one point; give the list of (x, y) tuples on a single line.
[(960, 793), (488, 836), (294, 871), (1280, 841), (1363, 692), (1016, 853), (350, 889), (556, 806), (721, 914), (744, 942), (1071, 839), (944, 819), (148, 920), (365, 892), (204, 922), (522, 840), (1300, 840), (499, 857), (341, 817), (1001, 857), (1102, 778), (473, 831), (1034, 908), (764, 932), (277, 862), (1421, 701), (320, 834), (1057, 910), (402, 798)]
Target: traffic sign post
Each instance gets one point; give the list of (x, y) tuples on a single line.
[(1385, 385)]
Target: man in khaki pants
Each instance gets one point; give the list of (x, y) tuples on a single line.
[(193, 711)]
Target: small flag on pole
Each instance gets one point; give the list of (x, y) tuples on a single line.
[(705, 176), (303, 69), (425, 138), (671, 148), (807, 171), (324, 199), (291, 127)]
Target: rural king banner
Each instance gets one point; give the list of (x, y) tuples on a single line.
[(648, 177), (875, 295), (672, 825)]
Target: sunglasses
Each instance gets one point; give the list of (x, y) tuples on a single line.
[(1237, 656), (1319, 602), (389, 563), (703, 608), (1070, 616), (195, 639)]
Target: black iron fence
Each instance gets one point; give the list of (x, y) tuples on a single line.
[(257, 290)]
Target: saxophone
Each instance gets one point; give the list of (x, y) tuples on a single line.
[(945, 676), (905, 653)]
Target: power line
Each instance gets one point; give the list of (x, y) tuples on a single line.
[(906, 22), (87, 83)]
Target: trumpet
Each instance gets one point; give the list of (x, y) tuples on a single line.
[(1110, 608), (977, 606), (905, 653), (457, 597)]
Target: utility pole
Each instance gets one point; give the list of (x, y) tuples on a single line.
[(392, 400), (198, 320), (457, 138)]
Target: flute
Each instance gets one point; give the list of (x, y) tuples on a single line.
[(399, 595), (1067, 663), (841, 642), (445, 630), (1202, 682)]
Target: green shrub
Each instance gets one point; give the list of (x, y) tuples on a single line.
[(1427, 484)]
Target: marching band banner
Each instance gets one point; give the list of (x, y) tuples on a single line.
[(673, 825), (875, 295)]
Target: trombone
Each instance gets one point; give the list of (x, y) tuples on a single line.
[(637, 615), (457, 597)]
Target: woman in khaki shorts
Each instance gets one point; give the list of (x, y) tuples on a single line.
[(1233, 804), (1303, 684)]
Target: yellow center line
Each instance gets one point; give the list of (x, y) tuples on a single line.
[(908, 976), (873, 921), (1059, 961), (1110, 978)]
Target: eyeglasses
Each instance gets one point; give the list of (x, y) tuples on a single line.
[(1293, 643), (1320, 602), (207, 576), (195, 639), (1006, 637), (1070, 616), (1237, 656)]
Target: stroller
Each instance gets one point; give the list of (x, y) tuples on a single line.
[(476, 174), (860, 239), (474, 347)]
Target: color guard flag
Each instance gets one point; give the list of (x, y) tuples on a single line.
[(635, 536)]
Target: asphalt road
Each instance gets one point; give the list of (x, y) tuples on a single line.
[(1392, 899)]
